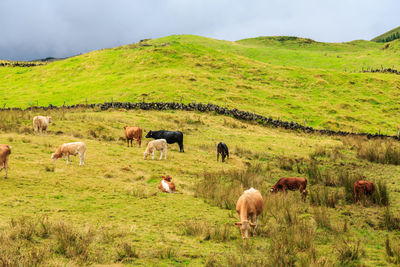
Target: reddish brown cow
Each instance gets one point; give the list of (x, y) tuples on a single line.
[(363, 187), (5, 151), (291, 183), (133, 133), (166, 185)]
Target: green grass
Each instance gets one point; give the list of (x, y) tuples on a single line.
[(288, 78), (110, 211)]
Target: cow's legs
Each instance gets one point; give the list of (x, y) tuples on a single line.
[(68, 161), (6, 167), (152, 155), (165, 153), (161, 152), (217, 155), (131, 142), (181, 147), (81, 158), (139, 142)]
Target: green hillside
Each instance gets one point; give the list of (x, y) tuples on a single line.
[(286, 77), (388, 36)]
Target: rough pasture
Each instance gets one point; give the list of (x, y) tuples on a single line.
[(132, 222)]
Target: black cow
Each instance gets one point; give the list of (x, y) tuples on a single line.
[(170, 136), (222, 149)]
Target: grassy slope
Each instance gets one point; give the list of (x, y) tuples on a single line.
[(386, 34), (294, 80), (115, 190)]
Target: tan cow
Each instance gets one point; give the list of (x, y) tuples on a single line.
[(159, 144), (133, 133), (5, 151), (249, 206), (40, 124), (65, 150), (166, 185)]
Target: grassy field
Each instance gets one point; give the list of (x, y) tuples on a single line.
[(109, 212), (313, 83)]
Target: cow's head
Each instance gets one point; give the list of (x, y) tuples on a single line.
[(167, 178), (245, 227), (145, 154), (54, 156), (125, 127), (274, 189), (149, 134), (49, 118)]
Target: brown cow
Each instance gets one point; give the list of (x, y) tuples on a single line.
[(249, 205), (291, 183), (5, 151), (166, 185), (133, 133), (365, 187)]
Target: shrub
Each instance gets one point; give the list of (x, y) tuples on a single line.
[(392, 251), (322, 197), (379, 151), (348, 251), (206, 231), (224, 188), (126, 252), (389, 221)]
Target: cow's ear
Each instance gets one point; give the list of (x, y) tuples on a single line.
[(238, 223)]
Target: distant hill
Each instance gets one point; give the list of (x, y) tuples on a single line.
[(291, 78), (388, 36)]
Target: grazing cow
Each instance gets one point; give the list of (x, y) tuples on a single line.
[(65, 150), (133, 133), (166, 185), (222, 149), (249, 205), (363, 187), (5, 151), (159, 144), (40, 124), (171, 137), (291, 183)]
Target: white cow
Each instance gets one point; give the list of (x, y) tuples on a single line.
[(159, 144), (65, 150), (40, 124)]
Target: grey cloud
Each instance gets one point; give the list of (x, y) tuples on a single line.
[(36, 29)]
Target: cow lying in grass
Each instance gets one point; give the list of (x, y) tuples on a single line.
[(5, 151), (166, 185), (40, 124), (249, 205), (152, 146), (363, 187), (133, 133), (222, 149), (169, 136), (291, 183), (65, 150)]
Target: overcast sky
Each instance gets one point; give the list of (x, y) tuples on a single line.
[(32, 29)]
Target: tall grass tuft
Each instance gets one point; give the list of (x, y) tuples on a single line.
[(223, 188)]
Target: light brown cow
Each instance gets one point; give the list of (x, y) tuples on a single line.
[(65, 150), (249, 205), (363, 187), (166, 185), (152, 146), (133, 133), (40, 124), (5, 151)]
